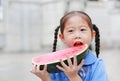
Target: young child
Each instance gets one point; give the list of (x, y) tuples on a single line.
[(76, 29)]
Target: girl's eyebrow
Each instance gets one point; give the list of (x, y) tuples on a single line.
[(84, 26), (70, 26)]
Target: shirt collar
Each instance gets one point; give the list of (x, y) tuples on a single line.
[(90, 58)]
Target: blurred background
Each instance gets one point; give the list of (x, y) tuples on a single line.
[(27, 29)]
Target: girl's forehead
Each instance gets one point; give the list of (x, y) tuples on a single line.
[(76, 20), (82, 19), (82, 16), (76, 17)]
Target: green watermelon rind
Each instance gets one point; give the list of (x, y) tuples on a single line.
[(51, 68)]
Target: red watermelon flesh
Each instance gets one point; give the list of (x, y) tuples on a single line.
[(53, 58)]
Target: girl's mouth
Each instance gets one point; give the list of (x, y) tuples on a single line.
[(78, 43)]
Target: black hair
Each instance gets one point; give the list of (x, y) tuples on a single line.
[(97, 40), (55, 38), (93, 27)]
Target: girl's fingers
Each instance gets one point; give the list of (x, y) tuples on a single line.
[(63, 64), (38, 68), (60, 68), (75, 60), (34, 68), (45, 67), (81, 64), (69, 61)]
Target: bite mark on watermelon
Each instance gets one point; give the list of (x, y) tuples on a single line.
[(52, 59)]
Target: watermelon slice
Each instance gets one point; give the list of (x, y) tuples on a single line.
[(52, 59)]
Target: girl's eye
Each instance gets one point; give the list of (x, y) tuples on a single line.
[(70, 30), (83, 30)]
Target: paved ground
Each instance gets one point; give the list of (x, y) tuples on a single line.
[(16, 67), (112, 62)]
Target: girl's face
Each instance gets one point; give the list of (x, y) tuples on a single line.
[(76, 32)]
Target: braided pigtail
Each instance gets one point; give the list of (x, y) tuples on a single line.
[(97, 40), (55, 39)]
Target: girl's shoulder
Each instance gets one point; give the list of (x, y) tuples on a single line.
[(91, 59), (94, 68)]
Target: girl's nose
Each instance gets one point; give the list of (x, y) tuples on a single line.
[(77, 35)]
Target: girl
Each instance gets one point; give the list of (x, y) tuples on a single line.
[(76, 29)]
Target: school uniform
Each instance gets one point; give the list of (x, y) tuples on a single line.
[(92, 70)]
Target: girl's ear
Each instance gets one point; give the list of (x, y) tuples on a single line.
[(93, 34), (61, 37)]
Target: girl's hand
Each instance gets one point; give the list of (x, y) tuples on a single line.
[(72, 69), (42, 74)]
